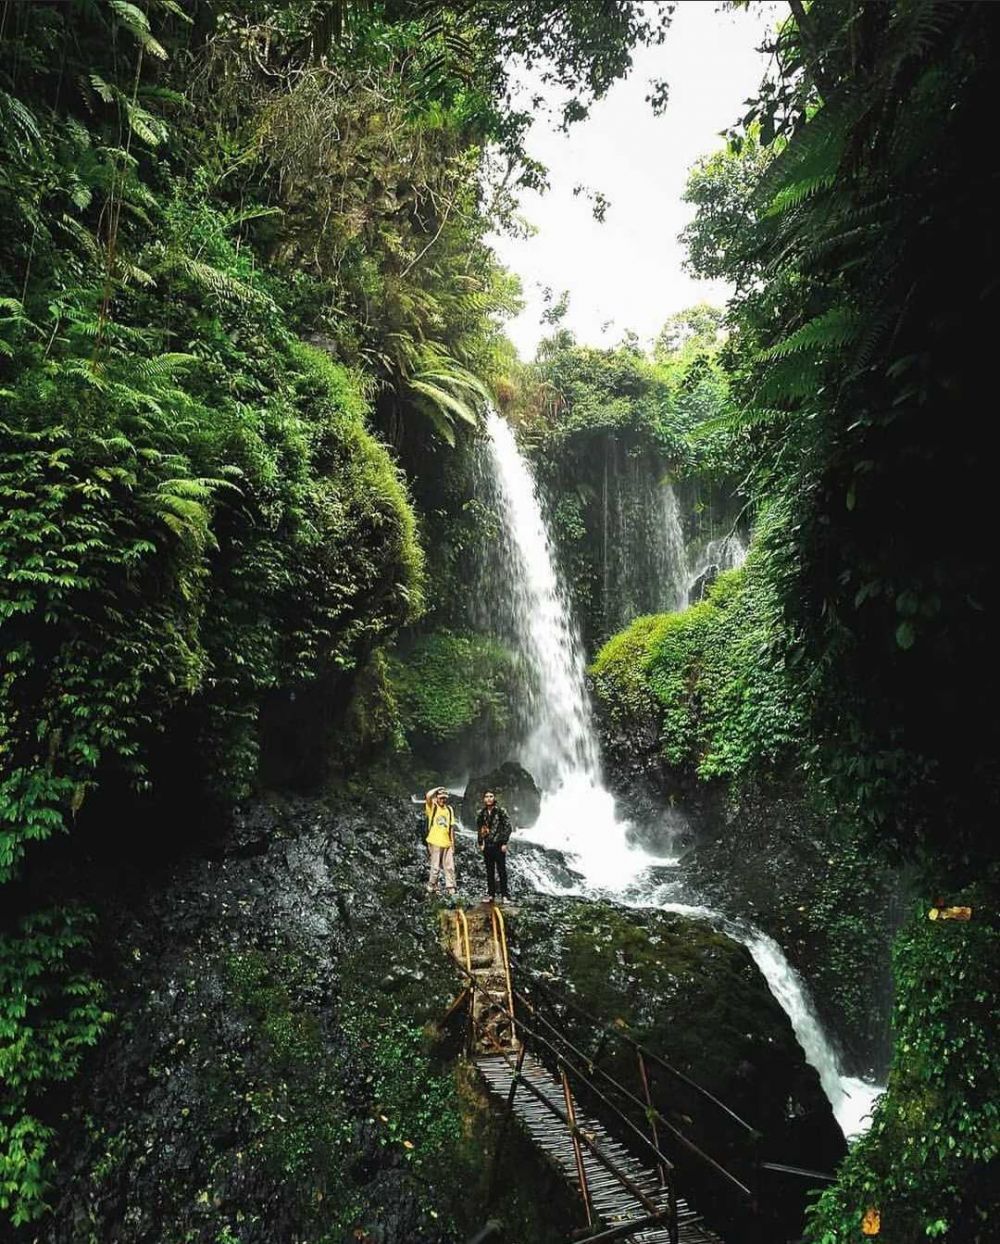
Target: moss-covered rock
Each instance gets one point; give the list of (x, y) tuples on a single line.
[(694, 997), (451, 687)]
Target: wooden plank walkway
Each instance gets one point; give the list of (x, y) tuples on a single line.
[(611, 1201)]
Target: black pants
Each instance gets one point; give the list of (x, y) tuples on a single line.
[(496, 862)]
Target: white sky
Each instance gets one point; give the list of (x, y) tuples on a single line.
[(628, 269)]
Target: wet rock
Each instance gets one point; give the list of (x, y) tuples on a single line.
[(513, 786), (269, 1057), (695, 998)]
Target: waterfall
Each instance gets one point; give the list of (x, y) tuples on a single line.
[(562, 740), (644, 568), (586, 849), (850, 1097), (560, 745), (725, 553), (673, 571)]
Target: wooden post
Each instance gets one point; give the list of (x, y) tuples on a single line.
[(661, 1173), (577, 1151)]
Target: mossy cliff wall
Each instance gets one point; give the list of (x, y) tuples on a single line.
[(696, 713)]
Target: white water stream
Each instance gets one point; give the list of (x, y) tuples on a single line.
[(587, 845)]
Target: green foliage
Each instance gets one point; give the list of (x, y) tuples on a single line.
[(605, 428), (50, 1014), (161, 534), (928, 1164), (592, 389), (446, 682), (417, 1099), (712, 679), (852, 213), (296, 1130)]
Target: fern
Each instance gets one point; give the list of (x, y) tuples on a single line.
[(136, 23), (17, 118), (831, 330)]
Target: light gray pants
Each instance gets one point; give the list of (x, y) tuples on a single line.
[(442, 860)]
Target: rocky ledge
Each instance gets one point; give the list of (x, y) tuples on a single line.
[(277, 1073)]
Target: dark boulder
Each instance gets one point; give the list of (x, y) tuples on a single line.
[(695, 998), (514, 788)]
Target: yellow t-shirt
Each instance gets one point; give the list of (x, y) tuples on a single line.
[(439, 824)]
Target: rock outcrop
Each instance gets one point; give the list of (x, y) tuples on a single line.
[(275, 1072), (513, 786)]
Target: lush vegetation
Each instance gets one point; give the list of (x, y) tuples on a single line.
[(248, 316), (928, 1164), (607, 430), (448, 683), (858, 251), (851, 211), (712, 677), (243, 246), (50, 1013)]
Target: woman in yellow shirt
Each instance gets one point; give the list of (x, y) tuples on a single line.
[(440, 838)]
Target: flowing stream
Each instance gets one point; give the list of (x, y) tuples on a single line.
[(581, 845)]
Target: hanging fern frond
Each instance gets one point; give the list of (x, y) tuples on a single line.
[(834, 328), (136, 23), (17, 118)]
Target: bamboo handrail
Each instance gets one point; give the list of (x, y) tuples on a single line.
[(651, 1112), (463, 932), (579, 1134), (498, 923), (540, 1040)]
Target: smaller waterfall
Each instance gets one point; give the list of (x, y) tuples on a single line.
[(673, 570), (851, 1099), (725, 553), (643, 564)]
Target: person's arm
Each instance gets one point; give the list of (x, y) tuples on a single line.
[(505, 829), (429, 802)]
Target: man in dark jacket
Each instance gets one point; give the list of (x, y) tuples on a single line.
[(493, 827)]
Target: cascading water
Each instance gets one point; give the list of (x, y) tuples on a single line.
[(673, 558), (644, 568), (850, 1097), (725, 553), (586, 847), (560, 748), (561, 741)]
